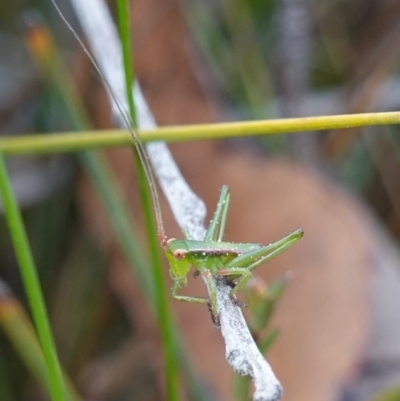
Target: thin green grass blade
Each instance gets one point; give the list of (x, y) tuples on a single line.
[(124, 32), (266, 343), (20, 332), (101, 177), (391, 394), (164, 316), (241, 388), (31, 284)]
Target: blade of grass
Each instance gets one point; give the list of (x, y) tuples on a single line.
[(124, 33), (42, 46), (20, 332), (391, 394), (6, 384), (69, 142), (164, 316), (241, 388), (31, 284)]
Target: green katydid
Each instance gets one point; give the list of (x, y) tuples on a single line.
[(211, 258)]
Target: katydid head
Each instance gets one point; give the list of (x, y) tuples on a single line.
[(179, 258)]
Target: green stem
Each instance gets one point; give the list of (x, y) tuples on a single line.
[(391, 394), (31, 284), (20, 332), (67, 142), (109, 194), (164, 316), (124, 31), (241, 388)]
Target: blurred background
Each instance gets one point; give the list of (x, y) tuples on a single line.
[(209, 61)]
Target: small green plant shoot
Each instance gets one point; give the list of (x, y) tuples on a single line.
[(211, 258)]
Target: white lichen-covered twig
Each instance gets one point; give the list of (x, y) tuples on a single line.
[(189, 211)]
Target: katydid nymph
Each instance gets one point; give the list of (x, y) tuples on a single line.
[(211, 258), (214, 258)]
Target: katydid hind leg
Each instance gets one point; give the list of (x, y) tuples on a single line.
[(283, 244), (255, 258), (186, 234), (225, 207), (214, 316), (241, 274), (212, 291), (271, 255), (216, 228)]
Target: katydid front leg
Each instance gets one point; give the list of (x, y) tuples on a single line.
[(212, 290), (196, 300), (182, 257)]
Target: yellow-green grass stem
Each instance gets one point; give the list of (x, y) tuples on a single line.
[(67, 142)]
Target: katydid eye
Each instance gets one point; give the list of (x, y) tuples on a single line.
[(179, 253)]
